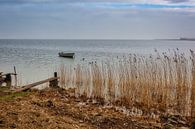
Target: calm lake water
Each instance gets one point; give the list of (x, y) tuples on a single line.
[(38, 59)]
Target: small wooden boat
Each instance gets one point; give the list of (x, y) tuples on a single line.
[(66, 54)]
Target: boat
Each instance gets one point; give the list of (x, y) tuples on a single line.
[(66, 54)]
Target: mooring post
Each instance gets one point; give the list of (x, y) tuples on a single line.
[(1, 79), (8, 80), (55, 74), (15, 74), (0, 75), (54, 83)]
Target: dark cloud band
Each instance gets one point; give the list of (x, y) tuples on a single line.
[(83, 1), (31, 1), (177, 1)]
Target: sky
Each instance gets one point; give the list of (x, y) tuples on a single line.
[(97, 19)]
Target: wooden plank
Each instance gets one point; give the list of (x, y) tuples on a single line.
[(26, 87)]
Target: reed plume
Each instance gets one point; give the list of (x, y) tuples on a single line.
[(163, 81)]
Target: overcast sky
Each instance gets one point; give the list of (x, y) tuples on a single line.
[(97, 19)]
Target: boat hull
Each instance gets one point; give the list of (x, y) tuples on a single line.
[(66, 55)]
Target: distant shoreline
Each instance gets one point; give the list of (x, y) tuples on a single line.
[(180, 39), (188, 39)]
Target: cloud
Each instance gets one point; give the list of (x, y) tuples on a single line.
[(31, 1), (178, 1), (96, 18), (138, 6), (164, 5), (91, 1)]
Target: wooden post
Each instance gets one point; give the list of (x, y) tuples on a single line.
[(1, 79), (54, 83), (0, 75), (8, 80), (15, 74), (55, 74)]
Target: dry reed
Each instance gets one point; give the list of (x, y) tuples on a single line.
[(162, 81)]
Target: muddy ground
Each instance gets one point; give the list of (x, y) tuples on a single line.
[(59, 109)]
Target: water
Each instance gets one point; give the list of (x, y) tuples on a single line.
[(38, 59)]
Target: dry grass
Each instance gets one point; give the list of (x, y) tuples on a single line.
[(161, 81), (193, 84)]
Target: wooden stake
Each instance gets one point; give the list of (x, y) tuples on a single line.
[(8, 80), (15, 76), (54, 83)]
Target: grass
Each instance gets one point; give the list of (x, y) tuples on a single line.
[(163, 81), (13, 96), (4, 88)]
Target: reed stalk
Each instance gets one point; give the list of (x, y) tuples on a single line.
[(164, 81)]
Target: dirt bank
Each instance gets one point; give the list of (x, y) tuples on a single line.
[(49, 109)]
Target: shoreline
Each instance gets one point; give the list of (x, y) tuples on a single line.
[(59, 108)]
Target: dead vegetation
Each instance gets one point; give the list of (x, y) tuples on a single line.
[(61, 109), (161, 81)]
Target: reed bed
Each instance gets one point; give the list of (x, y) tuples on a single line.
[(163, 81)]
